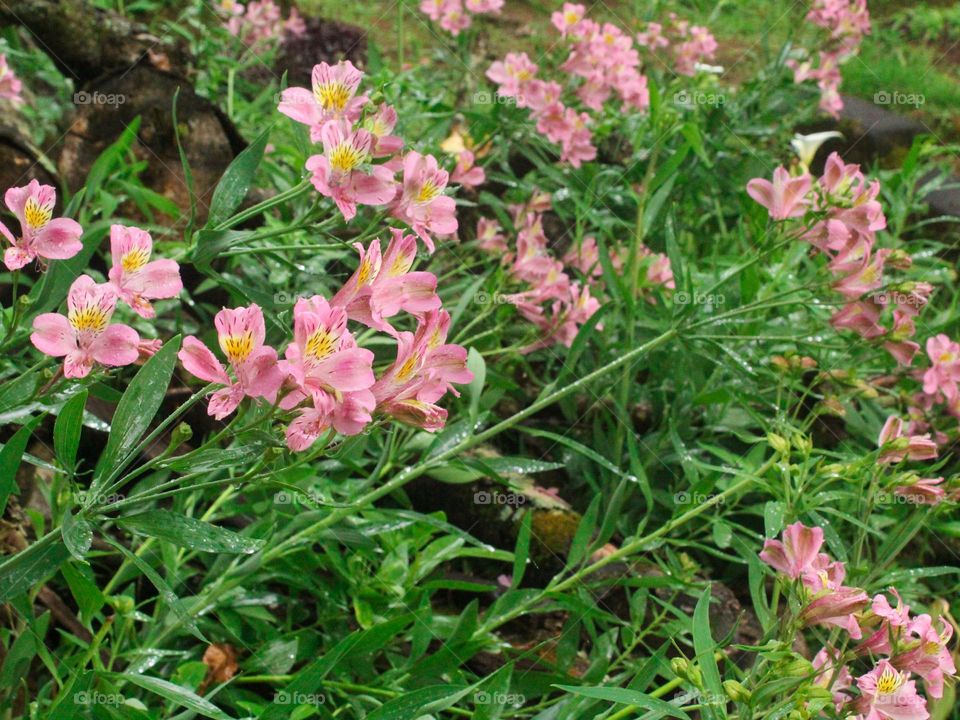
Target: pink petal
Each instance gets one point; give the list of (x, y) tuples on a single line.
[(59, 239), (200, 362), (299, 104), (53, 335), (260, 375), (225, 401), (117, 345)]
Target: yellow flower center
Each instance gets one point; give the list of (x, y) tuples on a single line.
[(401, 266), (91, 318), (366, 270), (135, 259), (237, 348), (889, 682), (428, 191), (407, 369), (320, 344), (345, 157), (571, 18), (946, 357), (434, 340), (35, 214), (332, 96)]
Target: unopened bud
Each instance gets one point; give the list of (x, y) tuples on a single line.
[(736, 691)]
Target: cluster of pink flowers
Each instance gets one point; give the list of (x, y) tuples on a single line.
[(556, 304), (260, 21), (606, 62), (898, 443), (689, 45), (850, 217), (354, 136), (10, 85), (847, 22), (41, 235), (911, 644), (455, 16), (85, 334), (324, 376)]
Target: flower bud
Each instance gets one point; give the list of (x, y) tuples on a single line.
[(736, 691)]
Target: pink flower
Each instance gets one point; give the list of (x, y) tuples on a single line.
[(10, 85), (422, 203), (454, 19), (490, 236), (567, 19), (381, 287), (136, 279), (944, 370), (467, 173), (333, 97), (836, 606), (423, 372), (928, 655), (339, 174), (380, 125), (825, 662), (85, 335), (796, 554), (887, 694), (240, 333), (860, 316), (42, 235), (895, 446), (924, 491), (512, 74), (785, 197), (482, 7)]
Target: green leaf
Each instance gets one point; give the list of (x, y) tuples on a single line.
[(522, 550), (166, 592), (10, 457), (174, 693), (66, 430), (135, 412), (704, 646), (77, 535), (658, 708), (581, 539), (189, 532), (478, 367), (35, 564), (235, 183), (419, 702)]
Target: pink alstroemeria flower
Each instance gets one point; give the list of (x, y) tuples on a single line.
[(825, 662), (944, 369), (323, 357), (10, 85), (467, 173), (383, 286), (422, 203), (339, 174), (332, 97), (136, 278), (240, 332), (927, 654), (512, 74), (85, 335), (380, 125), (887, 694), (796, 553), (423, 372), (895, 446), (785, 197), (566, 20), (41, 235)]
